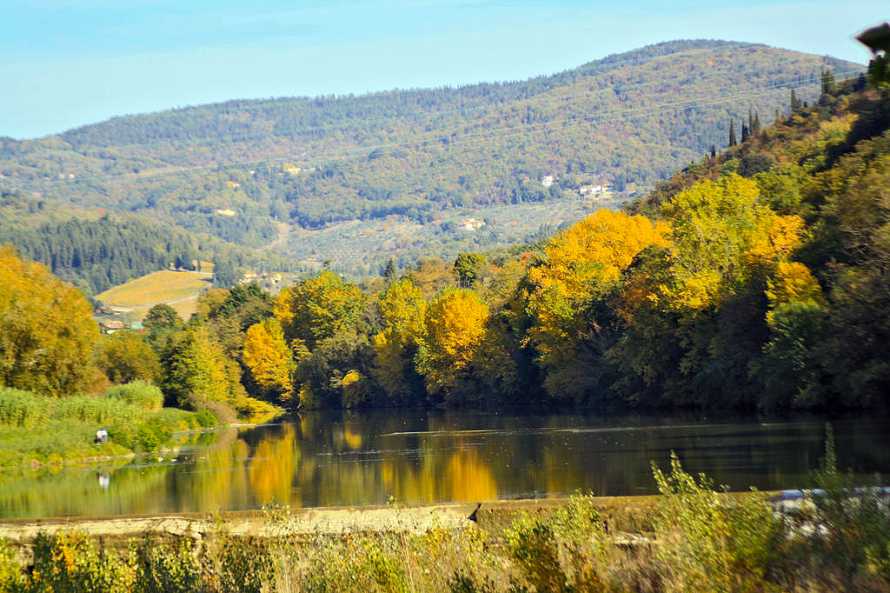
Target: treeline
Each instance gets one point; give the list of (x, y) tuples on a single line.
[(98, 254), (754, 279)]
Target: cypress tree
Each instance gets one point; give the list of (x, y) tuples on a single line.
[(795, 102), (713, 152), (745, 132), (732, 138)]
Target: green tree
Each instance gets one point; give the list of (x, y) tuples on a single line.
[(195, 371), (402, 311), (467, 267)]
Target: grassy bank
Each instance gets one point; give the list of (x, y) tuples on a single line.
[(37, 430), (690, 538)]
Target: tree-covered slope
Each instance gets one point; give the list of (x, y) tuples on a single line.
[(246, 171)]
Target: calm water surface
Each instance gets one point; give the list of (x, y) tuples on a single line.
[(419, 457)]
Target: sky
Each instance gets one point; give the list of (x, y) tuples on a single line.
[(65, 63)]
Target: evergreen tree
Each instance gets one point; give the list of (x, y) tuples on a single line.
[(224, 273), (829, 86), (732, 138), (389, 272), (795, 102), (466, 267)]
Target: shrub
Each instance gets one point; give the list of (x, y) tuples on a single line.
[(73, 563), (138, 393), (711, 541), (245, 565), (10, 570), (167, 567), (562, 552), (847, 528)]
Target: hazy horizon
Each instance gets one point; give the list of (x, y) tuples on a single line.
[(97, 60)]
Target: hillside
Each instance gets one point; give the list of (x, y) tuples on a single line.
[(180, 290), (285, 175)]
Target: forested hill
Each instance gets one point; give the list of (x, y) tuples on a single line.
[(269, 173)]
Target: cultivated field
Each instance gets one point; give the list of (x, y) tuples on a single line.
[(180, 290)]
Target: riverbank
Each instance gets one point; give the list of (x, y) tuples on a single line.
[(39, 432), (691, 537), (625, 512)]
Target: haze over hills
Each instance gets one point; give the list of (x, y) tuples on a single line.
[(354, 180)]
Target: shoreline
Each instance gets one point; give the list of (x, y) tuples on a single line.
[(332, 521)]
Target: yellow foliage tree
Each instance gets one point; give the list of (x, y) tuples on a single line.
[(318, 307), (792, 282), (402, 310), (721, 234), (47, 334), (268, 358), (126, 356), (579, 266), (455, 329)]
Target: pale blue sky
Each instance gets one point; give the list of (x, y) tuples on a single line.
[(71, 62)]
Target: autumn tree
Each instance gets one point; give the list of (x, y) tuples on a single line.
[(696, 310), (195, 371), (567, 290), (318, 307), (402, 311), (268, 358), (126, 356), (455, 329), (47, 334)]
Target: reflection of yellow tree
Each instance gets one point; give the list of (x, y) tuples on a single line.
[(219, 477), (468, 477), (273, 467), (463, 476), (352, 439)]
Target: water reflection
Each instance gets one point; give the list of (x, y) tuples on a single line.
[(417, 457)]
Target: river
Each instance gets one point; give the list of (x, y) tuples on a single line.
[(413, 457)]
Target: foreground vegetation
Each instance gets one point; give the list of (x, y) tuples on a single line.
[(691, 538)]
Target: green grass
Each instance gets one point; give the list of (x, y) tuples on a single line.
[(37, 430)]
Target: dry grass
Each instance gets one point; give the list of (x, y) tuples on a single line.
[(180, 290)]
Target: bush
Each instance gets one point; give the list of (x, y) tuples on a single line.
[(562, 552), (167, 567), (848, 529), (73, 563), (10, 569), (712, 541), (138, 393)]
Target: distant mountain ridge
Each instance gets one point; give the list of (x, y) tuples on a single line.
[(354, 180)]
